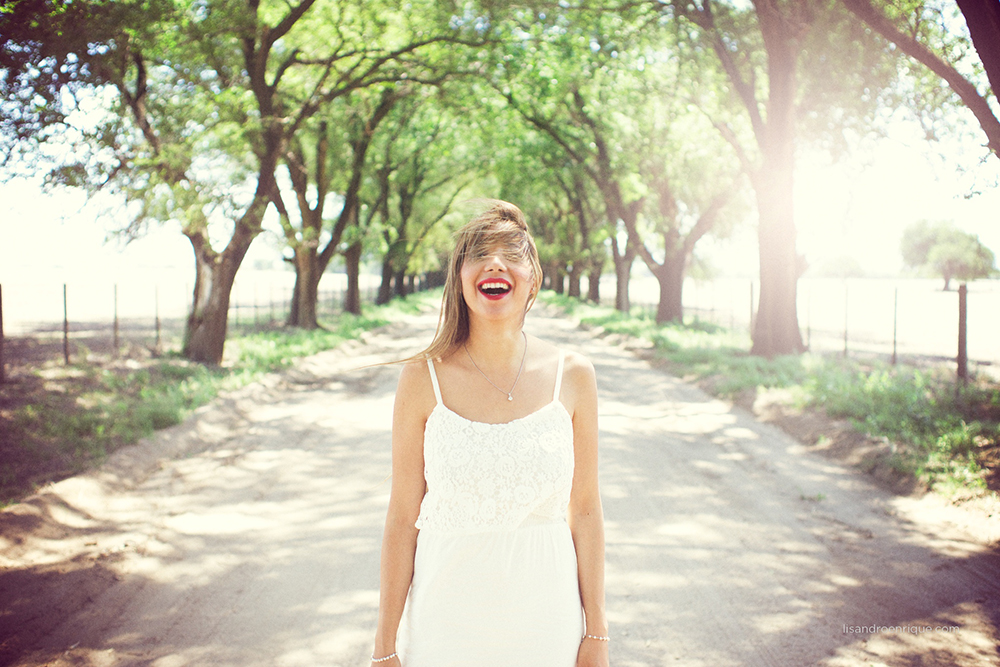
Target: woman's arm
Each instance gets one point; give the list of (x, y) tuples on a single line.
[(399, 540), (586, 516)]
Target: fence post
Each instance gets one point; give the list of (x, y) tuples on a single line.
[(809, 328), (3, 376), (963, 353), (65, 327), (156, 311)]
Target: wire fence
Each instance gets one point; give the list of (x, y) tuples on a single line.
[(911, 319), (96, 317)]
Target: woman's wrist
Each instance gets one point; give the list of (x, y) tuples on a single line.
[(596, 624), (383, 648)]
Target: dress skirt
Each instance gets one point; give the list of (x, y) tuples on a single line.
[(504, 598)]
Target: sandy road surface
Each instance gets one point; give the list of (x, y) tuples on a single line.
[(249, 536)]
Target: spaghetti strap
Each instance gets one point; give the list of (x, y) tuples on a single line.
[(434, 381), (559, 374)]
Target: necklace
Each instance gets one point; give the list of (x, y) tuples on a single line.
[(510, 394)]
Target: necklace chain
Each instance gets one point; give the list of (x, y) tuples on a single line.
[(510, 394)]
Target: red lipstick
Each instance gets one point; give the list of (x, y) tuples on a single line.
[(494, 288)]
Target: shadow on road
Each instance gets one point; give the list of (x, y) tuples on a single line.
[(256, 543)]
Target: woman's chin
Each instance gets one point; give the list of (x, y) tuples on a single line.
[(497, 309)]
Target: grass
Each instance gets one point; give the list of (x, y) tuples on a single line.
[(947, 438), (60, 420)]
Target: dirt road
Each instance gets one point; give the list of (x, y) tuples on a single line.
[(249, 536)]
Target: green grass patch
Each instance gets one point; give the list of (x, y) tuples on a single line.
[(61, 420), (945, 437)]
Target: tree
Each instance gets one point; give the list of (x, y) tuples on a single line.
[(176, 125), (784, 64), (611, 104), (557, 197), (365, 110), (947, 251), (379, 63), (51, 55), (426, 162), (209, 95)]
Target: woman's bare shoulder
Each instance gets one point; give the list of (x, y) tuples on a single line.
[(414, 371), (414, 388), (579, 371), (575, 364)]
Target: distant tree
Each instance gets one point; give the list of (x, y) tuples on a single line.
[(842, 266), (946, 251)]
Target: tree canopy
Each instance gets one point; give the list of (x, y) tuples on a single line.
[(625, 130)]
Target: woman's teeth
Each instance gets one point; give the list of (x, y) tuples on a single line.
[(494, 288)]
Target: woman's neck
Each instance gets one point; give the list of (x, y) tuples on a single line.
[(497, 345)]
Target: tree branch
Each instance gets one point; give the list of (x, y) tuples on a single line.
[(965, 90)]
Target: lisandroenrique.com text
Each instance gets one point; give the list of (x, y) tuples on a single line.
[(907, 629)]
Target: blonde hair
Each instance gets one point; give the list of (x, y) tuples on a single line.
[(502, 225)]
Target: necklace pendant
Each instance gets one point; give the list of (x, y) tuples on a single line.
[(510, 397)]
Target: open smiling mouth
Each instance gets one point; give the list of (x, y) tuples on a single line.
[(493, 288)]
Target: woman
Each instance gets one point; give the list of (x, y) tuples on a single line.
[(493, 551)]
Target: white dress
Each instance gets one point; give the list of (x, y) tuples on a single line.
[(495, 574)]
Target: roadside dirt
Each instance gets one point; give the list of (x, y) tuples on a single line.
[(249, 535)]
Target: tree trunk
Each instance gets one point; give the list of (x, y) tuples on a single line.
[(623, 271), (549, 270), (776, 330), (402, 285), (305, 294), (670, 277), (205, 334), (352, 260), (559, 279), (575, 274), (208, 321), (594, 282), (983, 19), (385, 287)]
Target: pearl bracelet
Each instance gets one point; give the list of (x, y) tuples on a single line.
[(386, 658), (598, 638)]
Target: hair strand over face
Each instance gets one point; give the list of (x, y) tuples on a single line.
[(501, 226)]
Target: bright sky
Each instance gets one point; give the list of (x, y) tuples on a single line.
[(860, 208)]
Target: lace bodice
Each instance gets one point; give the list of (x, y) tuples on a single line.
[(483, 477)]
